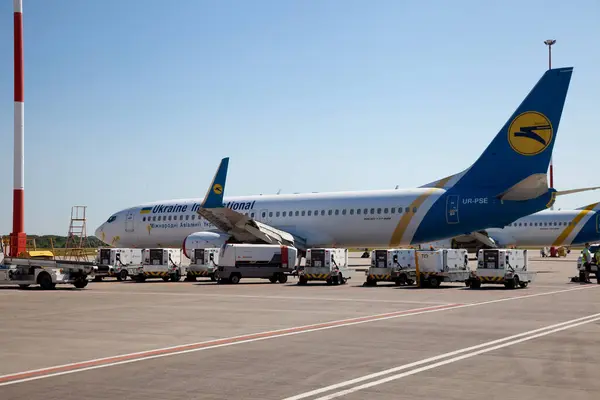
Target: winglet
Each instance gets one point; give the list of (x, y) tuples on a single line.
[(214, 195)]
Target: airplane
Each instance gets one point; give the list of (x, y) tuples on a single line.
[(508, 181), (545, 228)]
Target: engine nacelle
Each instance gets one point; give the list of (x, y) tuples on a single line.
[(203, 240)]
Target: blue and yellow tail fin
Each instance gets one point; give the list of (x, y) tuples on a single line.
[(523, 147), (214, 195)]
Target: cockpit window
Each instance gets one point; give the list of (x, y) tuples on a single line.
[(111, 219)]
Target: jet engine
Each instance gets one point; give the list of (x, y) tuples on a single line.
[(203, 240)]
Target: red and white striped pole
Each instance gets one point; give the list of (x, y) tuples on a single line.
[(18, 238)]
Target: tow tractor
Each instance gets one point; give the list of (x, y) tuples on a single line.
[(392, 265), (506, 267), (44, 272), (203, 264), (329, 265)]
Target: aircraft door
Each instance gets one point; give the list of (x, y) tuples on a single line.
[(129, 222), (597, 223), (452, 209)]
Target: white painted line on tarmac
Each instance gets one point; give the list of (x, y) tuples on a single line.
[(31, 375), (42, 373), (243, 296), (472, 352)]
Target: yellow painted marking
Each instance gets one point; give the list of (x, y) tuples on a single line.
[(408, 216), (567, 231)]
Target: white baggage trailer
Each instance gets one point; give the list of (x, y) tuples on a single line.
[(117, 260), (508, 267), (46, 273), (265, 261), (158, 263), (445, 265), (391, 265), (329, 265), (203, 264)]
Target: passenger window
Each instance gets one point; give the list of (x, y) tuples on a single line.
[(298, 213), (251, 215), (344, 212), (153, 218), (415, 210), (329, 212), (283, 214), (277, 214), (337, 212), (323, 212), (407, 210), (309, 212), (263, 214), (358, 211), (351, 211), (400, 210), (393, 210), (143, 219), (385, 210), (194, 217), (303, 213), (379, 211), (366, 211), (187, 217), (372, 211), (271, 214)]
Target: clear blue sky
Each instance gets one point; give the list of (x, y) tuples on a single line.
[(138, 100)]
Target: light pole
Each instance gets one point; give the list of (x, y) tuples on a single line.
[(549, 43)]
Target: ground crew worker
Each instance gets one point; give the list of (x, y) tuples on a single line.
[(597, 257), (586, 261)]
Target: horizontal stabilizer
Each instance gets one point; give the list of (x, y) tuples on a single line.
[(562, 192)]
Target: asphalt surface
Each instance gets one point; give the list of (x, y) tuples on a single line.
[(258, 340)]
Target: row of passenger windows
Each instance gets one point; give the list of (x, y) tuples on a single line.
[(303, 213), (559, 223), (352, 211)]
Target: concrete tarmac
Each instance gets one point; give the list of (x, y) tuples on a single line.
[(257, 340)]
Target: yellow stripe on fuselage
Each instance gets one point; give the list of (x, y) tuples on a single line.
[(408, 216), (567, 231)]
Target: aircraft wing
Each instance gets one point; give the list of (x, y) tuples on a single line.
[(240, 226)]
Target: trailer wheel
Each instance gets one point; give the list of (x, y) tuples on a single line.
[(45, 281), (234, 278), (329, 281), (523, 284), (190, 278), (176, 277), (410, 282), (475, 284), (140, 278), (80, 283), (370, 282), (510, 284), (283, 278), (273, 279), (341, 279), (123, 275), (213, 278), (434, 282), (302, 280)]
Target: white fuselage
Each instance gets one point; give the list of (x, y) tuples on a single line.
[(366, 219)]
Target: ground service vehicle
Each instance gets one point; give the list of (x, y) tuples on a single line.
[(392, 265), (445, 265), (158, 263), (266, 261), (203, 264), (501, 266), (329, 265), (46, 273), (594, 270), (117, 259)]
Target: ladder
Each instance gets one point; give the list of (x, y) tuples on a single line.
[(77, 241)]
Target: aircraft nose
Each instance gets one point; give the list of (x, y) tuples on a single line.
[(99, 233)]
